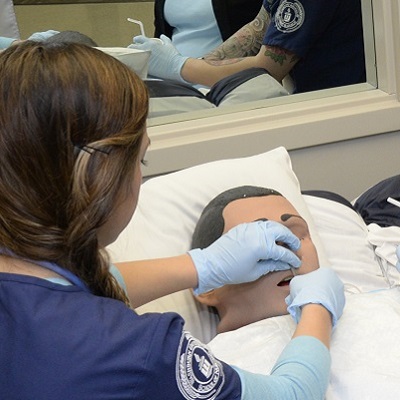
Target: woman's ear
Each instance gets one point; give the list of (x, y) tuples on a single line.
[(208, 298)]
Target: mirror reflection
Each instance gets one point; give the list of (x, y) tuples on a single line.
[(291, 47), (253, 56)]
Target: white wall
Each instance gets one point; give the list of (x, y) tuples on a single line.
[(348, 167), (105, 23)]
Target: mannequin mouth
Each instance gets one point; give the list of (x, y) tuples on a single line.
[(285, 281)]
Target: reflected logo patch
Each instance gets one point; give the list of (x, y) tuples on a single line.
[(289, 16), (198, 374)]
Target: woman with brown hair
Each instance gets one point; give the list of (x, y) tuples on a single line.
[(72, 138)]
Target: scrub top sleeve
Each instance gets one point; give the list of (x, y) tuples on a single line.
[(298, 24), (301, 373)]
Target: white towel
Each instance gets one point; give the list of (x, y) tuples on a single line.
[(386, 242)]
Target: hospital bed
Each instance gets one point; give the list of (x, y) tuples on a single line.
[(171, 97), (365, 351)]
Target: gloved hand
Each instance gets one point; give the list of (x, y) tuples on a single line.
[(165, 61), (398, 258), (245, 253), (321, 286), (42, 36)]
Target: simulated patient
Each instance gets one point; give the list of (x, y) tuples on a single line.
[(242, 304)]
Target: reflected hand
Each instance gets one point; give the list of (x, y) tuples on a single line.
[(165, 61), (245, 253), (321, 286)]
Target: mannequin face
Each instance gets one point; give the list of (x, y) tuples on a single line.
[(242, 304)]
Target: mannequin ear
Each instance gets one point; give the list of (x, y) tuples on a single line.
[(208, 298)]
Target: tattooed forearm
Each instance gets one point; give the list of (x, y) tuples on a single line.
[(245, 42), (224, 62)]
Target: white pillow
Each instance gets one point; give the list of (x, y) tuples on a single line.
[(344, 236), (135, 59), (170, 205)]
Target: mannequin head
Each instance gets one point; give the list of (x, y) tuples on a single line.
[(72, 37), (239, 305)]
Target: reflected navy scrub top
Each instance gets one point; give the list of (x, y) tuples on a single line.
[(61, 342), (326, 34)]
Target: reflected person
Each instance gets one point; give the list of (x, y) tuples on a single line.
[(319, 44), (197, 27)]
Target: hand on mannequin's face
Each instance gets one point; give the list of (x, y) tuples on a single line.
[(239, 305)]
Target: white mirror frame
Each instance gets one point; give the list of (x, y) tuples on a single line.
[(295, 126)]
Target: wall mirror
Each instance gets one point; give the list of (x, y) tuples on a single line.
[(371, 83), (336, 117), (347, 137)]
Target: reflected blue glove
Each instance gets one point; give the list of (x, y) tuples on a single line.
[(323, 287), (398, 258), (41, 36), (6, 42), (165, 61), (245, 253)]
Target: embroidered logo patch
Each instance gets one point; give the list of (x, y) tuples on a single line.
[(198, 374), (289, 16)]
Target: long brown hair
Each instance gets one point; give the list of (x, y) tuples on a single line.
[(71, 123)]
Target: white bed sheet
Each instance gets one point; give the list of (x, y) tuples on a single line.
[(364, 349)]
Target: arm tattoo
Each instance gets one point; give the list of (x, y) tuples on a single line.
[(224, 62), (244, 43), (280, 55)]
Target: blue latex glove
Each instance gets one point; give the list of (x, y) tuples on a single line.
[(245, 253), (398, 258), (321, 286), (42, 36), (165, 61), (6, 42)]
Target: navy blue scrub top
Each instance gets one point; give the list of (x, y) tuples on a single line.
[(62, 342), (326, 34)]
